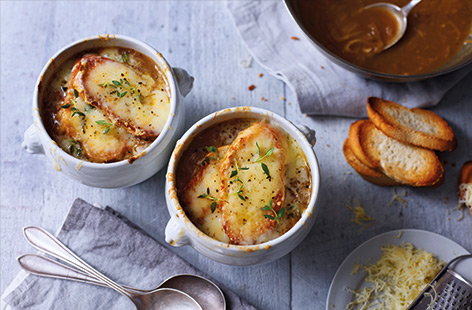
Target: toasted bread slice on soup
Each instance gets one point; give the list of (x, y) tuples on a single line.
[(369, 174), (99, 139), (201, 196), (414, 126), (404, 163), (127, 96), (253, 176)]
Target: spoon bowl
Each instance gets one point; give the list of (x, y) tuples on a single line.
[(400, 14)]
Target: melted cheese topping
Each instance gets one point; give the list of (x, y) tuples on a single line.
[(110, 122), (396, 279), (128, 96), (234, 181), (247, 187)]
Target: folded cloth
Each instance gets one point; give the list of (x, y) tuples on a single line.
[(321, 86), (115, 246)]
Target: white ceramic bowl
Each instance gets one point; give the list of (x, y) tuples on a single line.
[(121, 173), (181, 231)]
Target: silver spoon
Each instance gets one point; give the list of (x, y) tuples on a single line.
[(400, 14), (156, 299), (205, 292)]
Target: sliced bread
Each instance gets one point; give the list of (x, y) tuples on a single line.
[(367, 173), (355, 143), (414, 126), (405, 163)]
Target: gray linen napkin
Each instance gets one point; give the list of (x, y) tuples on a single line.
[(321, 86), (115, 246)]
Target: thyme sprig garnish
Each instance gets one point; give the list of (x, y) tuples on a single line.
[(212, 149), (65, 106), (74, 148), (237, 169), (106, 124), (262, 157), (122, 87), (77, 112), (214, 200), (276, 215), (267, 154), (240, 193), (125, 57)]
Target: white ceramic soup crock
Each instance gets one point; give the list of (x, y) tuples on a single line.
[(181, 231), (116, 174)]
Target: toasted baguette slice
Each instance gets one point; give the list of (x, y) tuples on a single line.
[(125, 95), (246, 188), (405, 163), (371, 175), (201, 197), (355, 144), (415, 126)]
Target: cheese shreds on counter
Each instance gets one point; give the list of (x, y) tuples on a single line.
[(361, 217), (396, 279)]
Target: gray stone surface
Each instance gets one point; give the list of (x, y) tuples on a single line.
[(199, 36)]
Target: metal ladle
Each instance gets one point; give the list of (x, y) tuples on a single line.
[(400, 14), (167, 296)]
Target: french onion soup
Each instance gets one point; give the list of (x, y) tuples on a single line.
[(436, 32), (106, 105), (243, 181)]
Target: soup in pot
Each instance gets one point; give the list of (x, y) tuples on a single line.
[(106, 105), (243, 181), (437, 30)]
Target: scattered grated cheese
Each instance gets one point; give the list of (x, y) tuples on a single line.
[(361, 217), (396, 279), (399, 197)]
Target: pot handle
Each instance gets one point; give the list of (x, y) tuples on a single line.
[(31, 142), (175, 233), (184, 80), (310, 134)]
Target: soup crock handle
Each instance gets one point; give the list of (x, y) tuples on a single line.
[(31, 142), (184, 80), (175, 233), (309, 133)]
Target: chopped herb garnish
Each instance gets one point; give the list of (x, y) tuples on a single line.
[(236, 171), (77, 112), (116, 83), (104, 123), (74, 148), (125, 57), (267, 154), (275, 215), (213, 206), (104, 85), (240, 194), (212, 149), (76, 93), (214, 200), (266, 170), (65, 106)]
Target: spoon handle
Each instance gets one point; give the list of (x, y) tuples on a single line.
[(407, 8), (47, 243), (46, 267)]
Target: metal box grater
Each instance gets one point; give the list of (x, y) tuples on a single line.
[(451, 291)]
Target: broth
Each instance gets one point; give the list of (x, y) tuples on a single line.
[(436, 31)]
